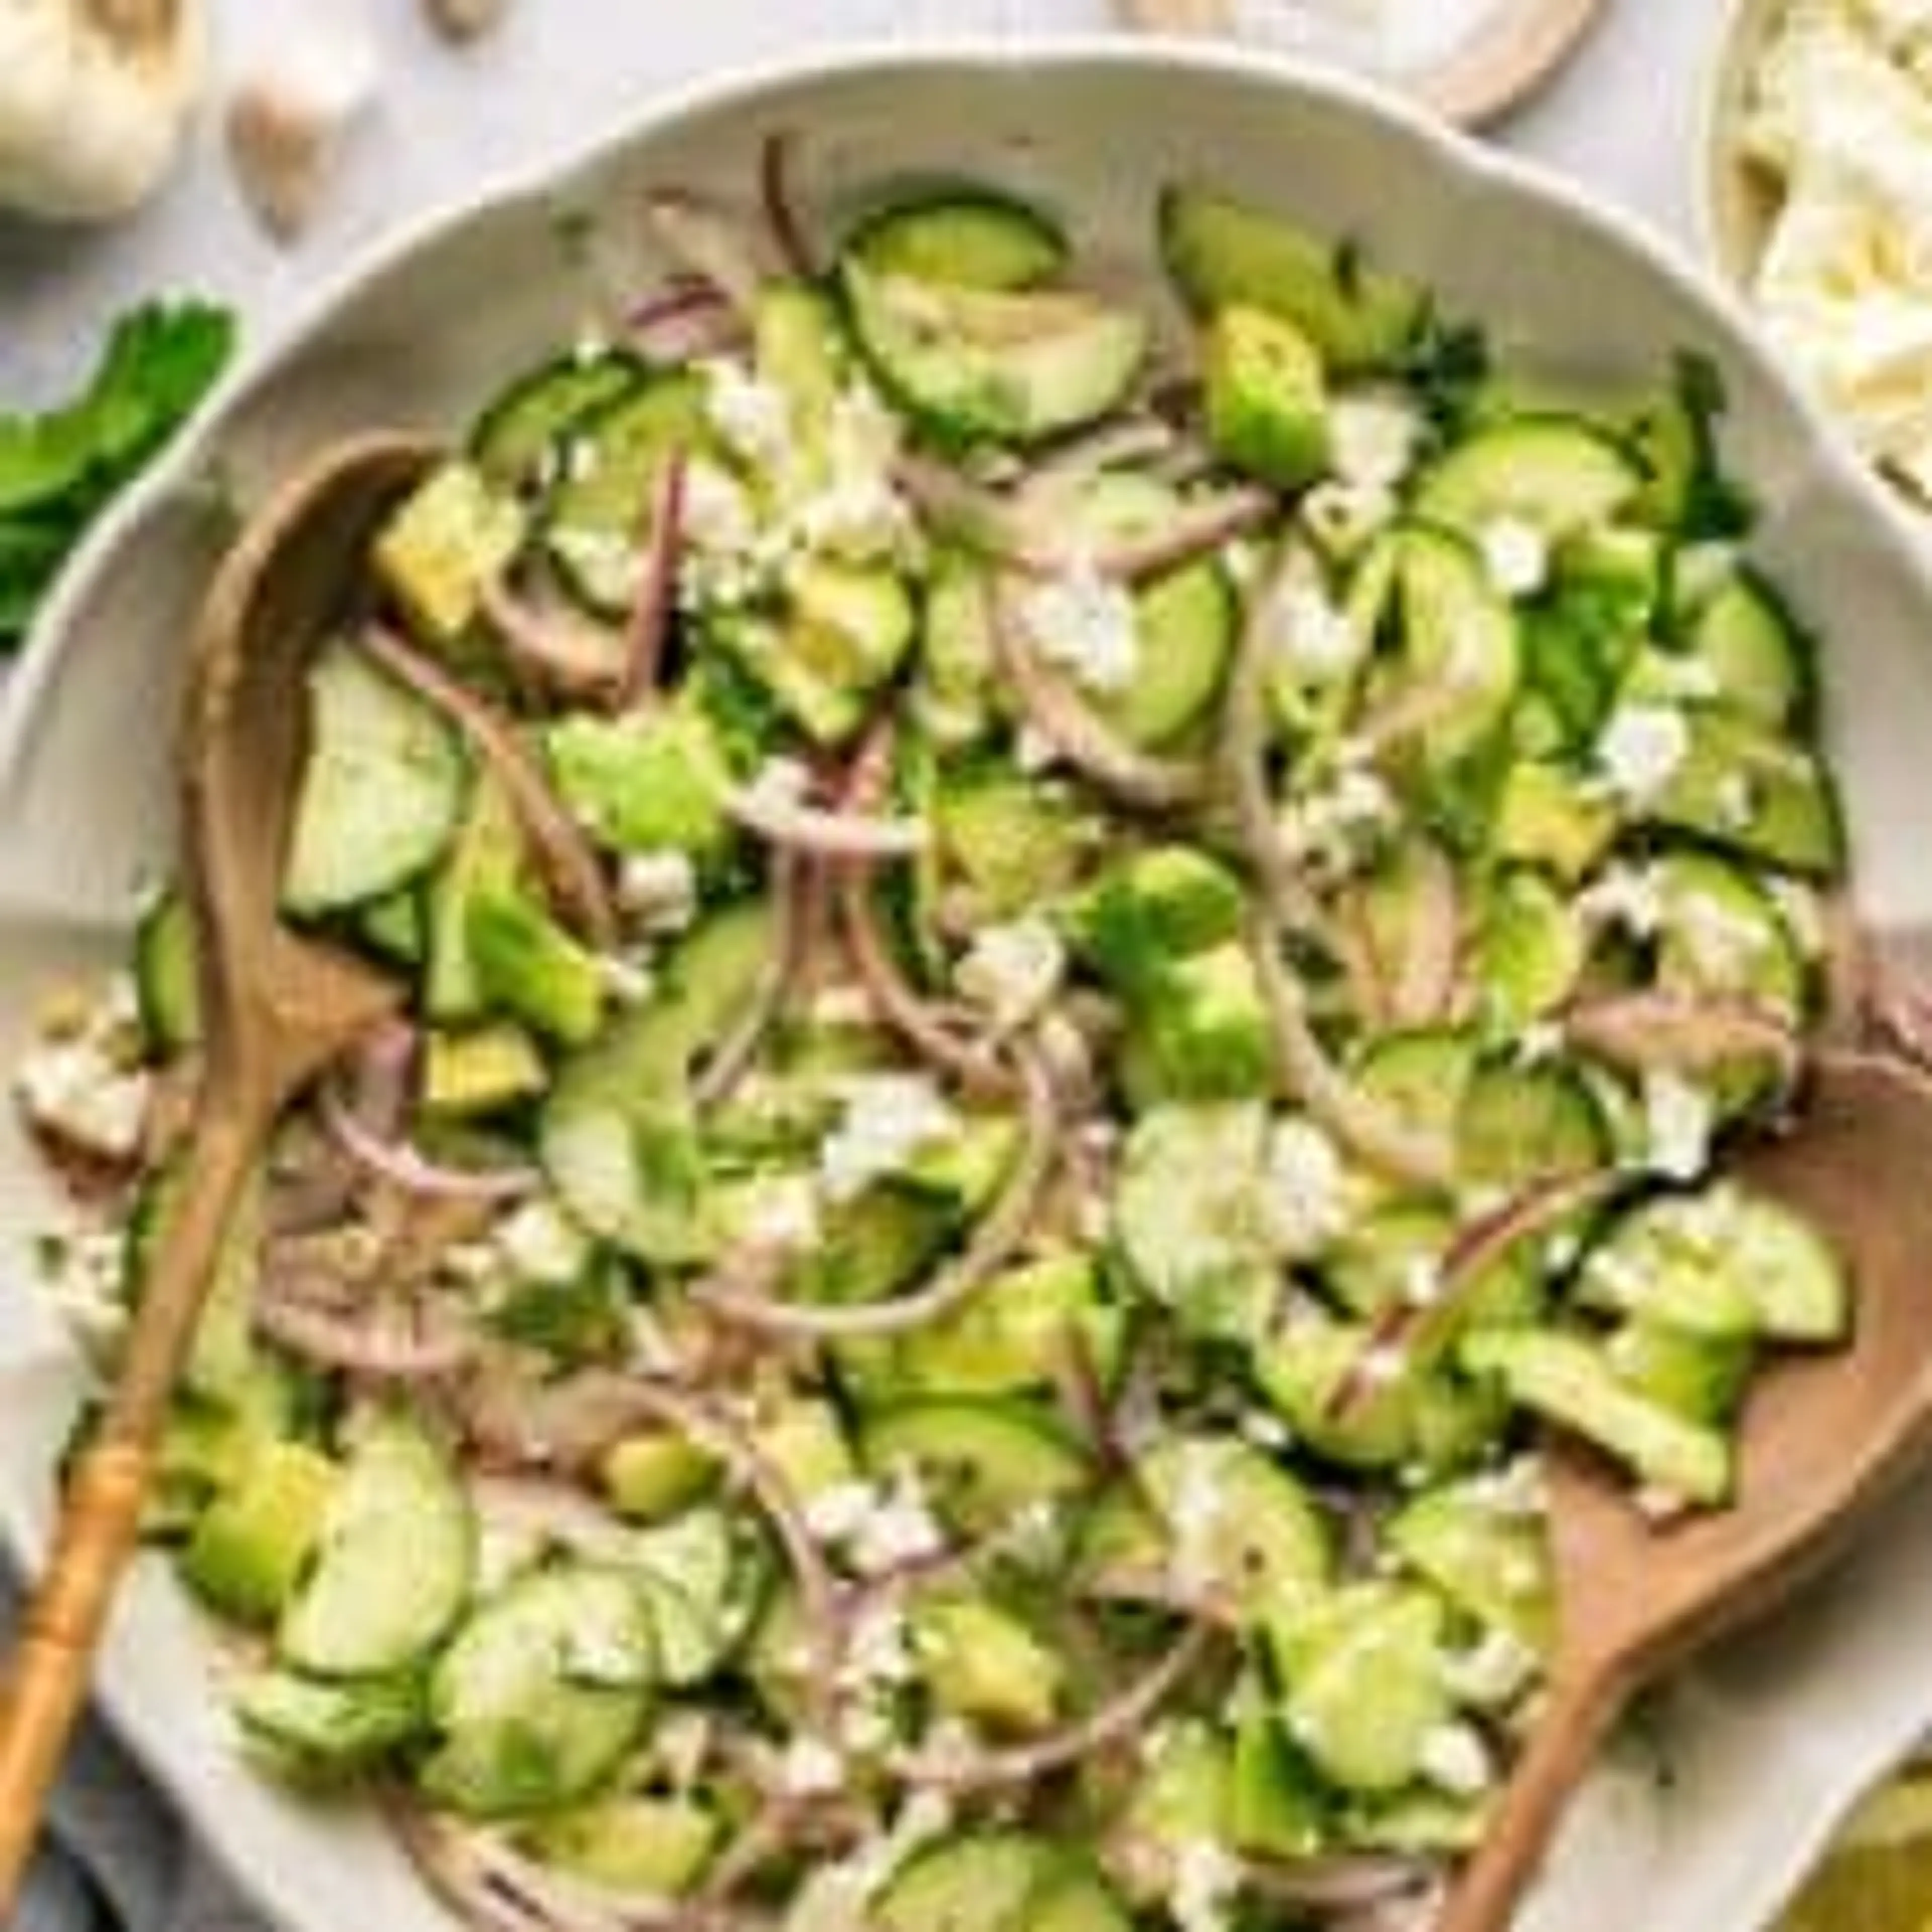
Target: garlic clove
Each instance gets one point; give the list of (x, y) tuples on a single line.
[(462, 20), (95, 98), (286, 123)]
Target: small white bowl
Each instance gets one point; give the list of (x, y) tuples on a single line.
[(1734, 202)]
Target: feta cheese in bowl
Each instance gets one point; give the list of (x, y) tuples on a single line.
[(1816, 203)]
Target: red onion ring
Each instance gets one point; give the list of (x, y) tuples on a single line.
[(1424, 985), (708, 243), (569, 863), (652, 613), (1653, 1030), (781, 209), (1125, 440), (555, 647), (689, 320), (1134, 778), (1308, 1074), (407, 1167), (841, 834), (999, 1232), (1119, 1717), (1342, 1883), (355, 1342), (797, 895)]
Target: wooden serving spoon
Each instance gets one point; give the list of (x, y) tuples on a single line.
[(1824, 1436), (278, 1008)]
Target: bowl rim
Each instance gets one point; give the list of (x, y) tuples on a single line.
[(740, 90), (1717, 228)]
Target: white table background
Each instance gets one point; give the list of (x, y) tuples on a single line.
[(1623, 118)]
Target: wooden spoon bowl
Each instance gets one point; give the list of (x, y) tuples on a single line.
[(1824, 1436), (278, 1009)]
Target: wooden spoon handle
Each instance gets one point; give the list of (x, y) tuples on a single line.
[(101, 1508), (1577, 1718)]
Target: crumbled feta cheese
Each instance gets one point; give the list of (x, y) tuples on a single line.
[(878, 1528), (1423, 1281), (878, 1654), (718, 515), (1641, 749), (78, 1090), (82, 1275), (1342, 516), (1307, 1197), (810, 1768), (782, 782), (537, 1241), (1454, 1759), (1313, 638), (1515, 1491), (1492, 1672), (1084, 623), (1196, 1513), (887, 1118), (1803, 915), (1516, 554), (1373, 437), (857, 512), (785, 1213), (1033, 751), (1333, 829), (1011, 972), (658, 891), (1722, 945), (626, 976), (1679, 1118), (1630, 896), (1207, 1880), (753, 416)]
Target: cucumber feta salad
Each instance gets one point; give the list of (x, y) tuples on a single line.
[(1069, 976)]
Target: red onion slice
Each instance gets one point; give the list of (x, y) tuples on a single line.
[(842, 834), (408, 1168), (565, 855), (1658, 1030), (555, 647), (1134, 778), (1130, 1711), (708, 243), (689, 320), (797, 898), (360, 1341), (1424, 986), (655, 607), (1362, 1123), (999, 1233), (780, 206)]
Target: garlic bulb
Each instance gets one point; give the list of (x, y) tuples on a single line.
[(94, 98)]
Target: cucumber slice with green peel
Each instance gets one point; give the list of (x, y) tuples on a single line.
[(519, 441), (1723, 935), (633, 1845), (615, 1135), (1267, 397), (485, 855), (957, 699), (1546, 816), (1190, 1215), (1238, 1526), (167, 987), (382, 792), (982, 1663), (1703, 1378), (1752, 656), (700, 1581), (1220, 252), (1518, 1125), (255, 1541), (528, 966), (1362, 1682), (1573, 1385), (321, 1732), (974, 365), (1371, 1268), (966, 236), (1674, 435), (983, 1459), (541, 1694), (1721, 1262), (1278, 1805), (1531, 948), (1461, 659), (1077, 1899), (1490, 1562), (395, 1562), (1420, 1076), (981, 1882), (1756, 794), (1558, 475), (1015, 841), (595, 524)]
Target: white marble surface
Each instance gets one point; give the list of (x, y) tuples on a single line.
[(1623, 118)]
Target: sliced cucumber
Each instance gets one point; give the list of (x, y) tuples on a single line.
[(698, 1578), (1723, 936), (394, 1564), (1558, 474), (1530, 948), (1518, 1125), (1703, 1377), (486, 856), (254, 1542), (519, 441), (1571, 1384), (632, 1846), (1756, 794), (381, 790), (984, 1459), (541, 1694), (1491, 1563), (167, 987), (595, 525), (984, 1881), (1220, 251), (328, 1733), (1759, 663), (977, 365), (967, 236), (1267, 397)]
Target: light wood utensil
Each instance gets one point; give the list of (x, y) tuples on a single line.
[(1516, 49), (1824, 1437), (277, 1009)]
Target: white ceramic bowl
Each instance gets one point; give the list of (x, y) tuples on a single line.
[(1769, 1739)]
